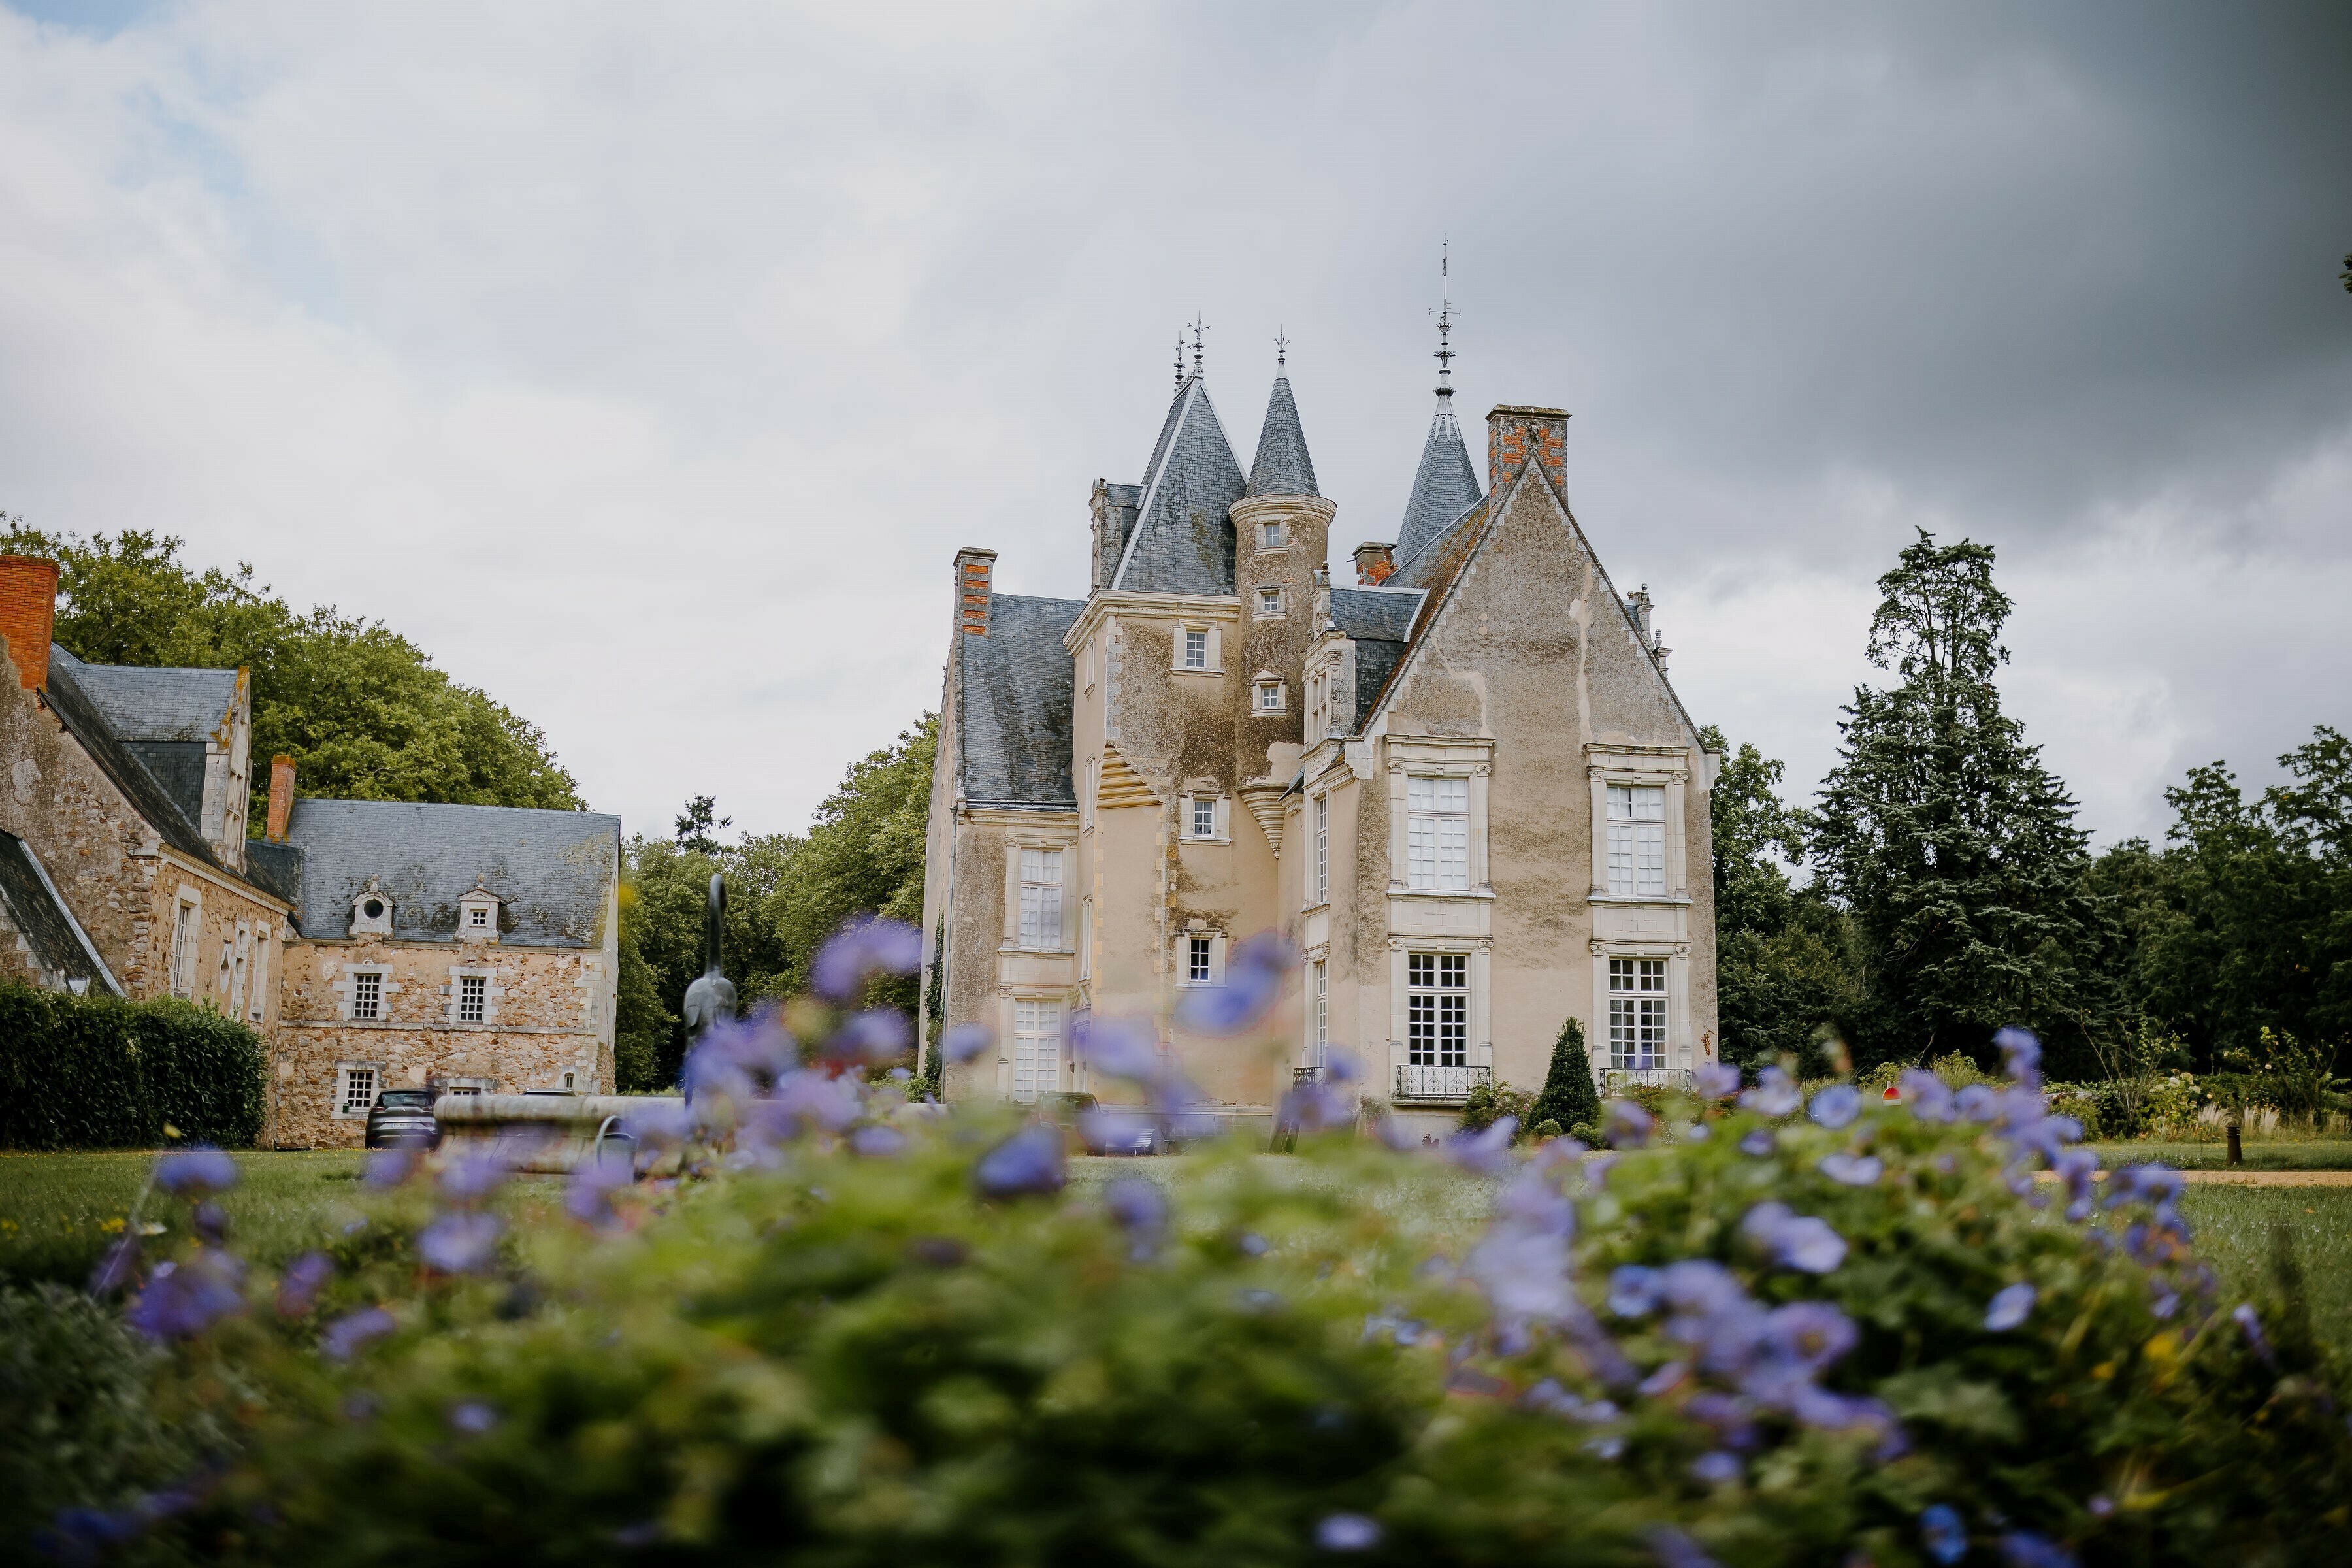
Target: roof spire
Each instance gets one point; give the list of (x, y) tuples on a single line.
[(1199, 326), (1281, 350), (1446, 314), (1180, 362)]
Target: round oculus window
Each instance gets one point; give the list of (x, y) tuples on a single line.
[(372, 909)]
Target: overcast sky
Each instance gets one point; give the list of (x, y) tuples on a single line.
[(649, 363)]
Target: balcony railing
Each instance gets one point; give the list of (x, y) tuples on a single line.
[(1301, 1076), (1439, 1083), (1652, 1078)]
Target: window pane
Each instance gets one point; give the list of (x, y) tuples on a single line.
[(1197, 961), (1649, 857)]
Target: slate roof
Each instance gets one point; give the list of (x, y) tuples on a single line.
[(84, 722), (275, 869), (1012, 704), (179, 767), (1444, 487), (142, 704), (553, 869), (1376, 612), (1184, 540), (1283, 467), (60, 944)]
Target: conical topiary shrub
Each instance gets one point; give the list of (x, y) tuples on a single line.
[(1568, 1095)]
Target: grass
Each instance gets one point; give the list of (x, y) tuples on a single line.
[(2234, 1227), (2270, 1155)]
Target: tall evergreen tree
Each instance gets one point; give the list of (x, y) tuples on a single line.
[(1952, 848), (1567, 1096)]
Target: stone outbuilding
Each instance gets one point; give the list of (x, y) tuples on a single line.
[(1463, 786)]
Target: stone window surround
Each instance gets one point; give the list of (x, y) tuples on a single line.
[(1260, 610), (342, 1076), (1679, 988), (491, 991), (1180, 954), (187, 932), (1215, 654), (362, 924), (478, 899), (1641, 767), (257, 978), (1425, 756), (1006, 997), (1478, 1038), (1259, 707), (1281, 543), (1058, 839), (1222, 807), (344, 988)]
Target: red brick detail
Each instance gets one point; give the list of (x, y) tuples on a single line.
[(973, 568), (1515, 437), (1375, 563), (281, 796), (28, 615)]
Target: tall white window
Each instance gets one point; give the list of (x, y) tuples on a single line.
[(1321, 981), (257, 988), (1196, 961), (1637, 1012), (1041, 898), (1637, 839), (1437, 834), (184, 950), (473, 999), (240, 974), (1437, 1009), (1322, 872), (357, 1091), (367, 993), (1196, 651), (1036, 1049)]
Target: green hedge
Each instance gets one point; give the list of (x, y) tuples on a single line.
[(91, 1072)]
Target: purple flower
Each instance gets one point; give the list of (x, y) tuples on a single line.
[(1714, 1080), (663, 1124), (1524, 1273), (461, 1243), (1716, 1468), (1727, 1415), (2248, 1322), (1138, 1207), (1673, 1549), (472, 1177), (1664, 1380), (1487, 1153), (1254, 980), (873, 1037), (1836, 1106), (1025, 1164), (865, 945), (1729, 1335), (298, 1287), (1347, 1532), (1852, 1170), (184, 1300), (1698, 1285), (347, 1334), (2079, 1169), (1774, 1094), (589, 1196), (878, 1142), (2150, 1183), (1630, 1126), (1929, 1097), (1809, 1334), (118, 1267), (1250, 1244), (473, 1416), (1975, 1103), (2011, 1307), (1942, 1535), (2023, 1548), (1802, 1243), (1759, 1145), (2021, 1056), (1532, 1202), (203, 1169), (1633, 1290), (1120, 1048), (965, 1042)]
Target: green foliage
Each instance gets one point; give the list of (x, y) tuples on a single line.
[(1488, 1103), (1569, 1098), (359, 707), (641, 1025), (92, 1072), (1952, 848)]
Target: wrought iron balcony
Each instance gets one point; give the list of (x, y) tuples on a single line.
[(1652, 1078), (1428, 1084), (1301, 1077)]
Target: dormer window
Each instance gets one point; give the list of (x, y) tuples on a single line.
[(477, 915), (372, 911)]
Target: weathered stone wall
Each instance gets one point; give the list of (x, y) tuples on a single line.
[(549, 1014)]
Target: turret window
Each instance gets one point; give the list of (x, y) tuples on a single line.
[(1269, 536), (1269, 601)]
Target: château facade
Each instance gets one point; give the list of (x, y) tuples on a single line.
[(1463, 786)]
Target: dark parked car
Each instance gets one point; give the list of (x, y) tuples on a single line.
[(403, 1117), (1114, 1130)]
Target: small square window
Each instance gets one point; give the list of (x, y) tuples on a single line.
[(1196, 961), (1196, 651), (1269, 697), (473, 999), (479, 917), (367, 993), (359, 1090), (1204, 817), (1269, 536), (1269, 601)]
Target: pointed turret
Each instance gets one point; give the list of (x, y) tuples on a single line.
[(1446, 484), (1181, 541), (1283, 467)]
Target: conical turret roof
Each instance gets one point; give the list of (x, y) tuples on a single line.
[(1182, 540), (1444, 488), (1283, 467)]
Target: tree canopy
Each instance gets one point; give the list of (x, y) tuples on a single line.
[(359, 707)]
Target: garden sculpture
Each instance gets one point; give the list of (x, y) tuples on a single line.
[(710, 999)]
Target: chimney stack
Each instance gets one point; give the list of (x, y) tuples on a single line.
[(1374, 563), (1517, 436), (973, 569), (281, 797), (28, 616)]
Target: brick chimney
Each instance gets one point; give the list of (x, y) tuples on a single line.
[(1374, 563), (973, 568), (1517, 433), (28, 615), (281, 797)]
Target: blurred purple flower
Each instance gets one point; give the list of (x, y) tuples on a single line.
[(2021, 1056), (1250, 1244), (1802, 1243), (588, 1197), (461, 1243), (1394, 1325), (1714, 1467), (1633, 1290), (2171, 1221), (1140, 1208), (1929, 1098), (1347, 1532), (2150, 1183), (2079, 1169), (1774, 1094), (1489, 1153), (1698, 1285), (1852, 1170), (864, 946), (1673, 1549), (472, 1177), (1119, 1048), (2010, 1307), (662, 1125), (210, 1222), (1975, 1103), (1727, 1415), (1812, 1335), (298, 1287), (1714, 1080), (1664, 1380), (1523, 1272), (878, 1142), (2023, 1548), (1532, 1202), (1942, 1534), (1836, 1106), (1728, 1336), (1027, 1163), (347, 1334), (873, 1037), (118, 1267), (1760, 1143), (965, 1042), (1629, 1126), (1254, 973), (183, 1299), (203, 1169), (473, 1416), (2251, 1325), (806, 1099)]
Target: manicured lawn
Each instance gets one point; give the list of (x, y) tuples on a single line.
[(2270, 1154), (2235, 1229)]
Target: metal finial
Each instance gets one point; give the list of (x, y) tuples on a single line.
[(1180, 362), (1446, 314), (1199, 326), (1281, 349)]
